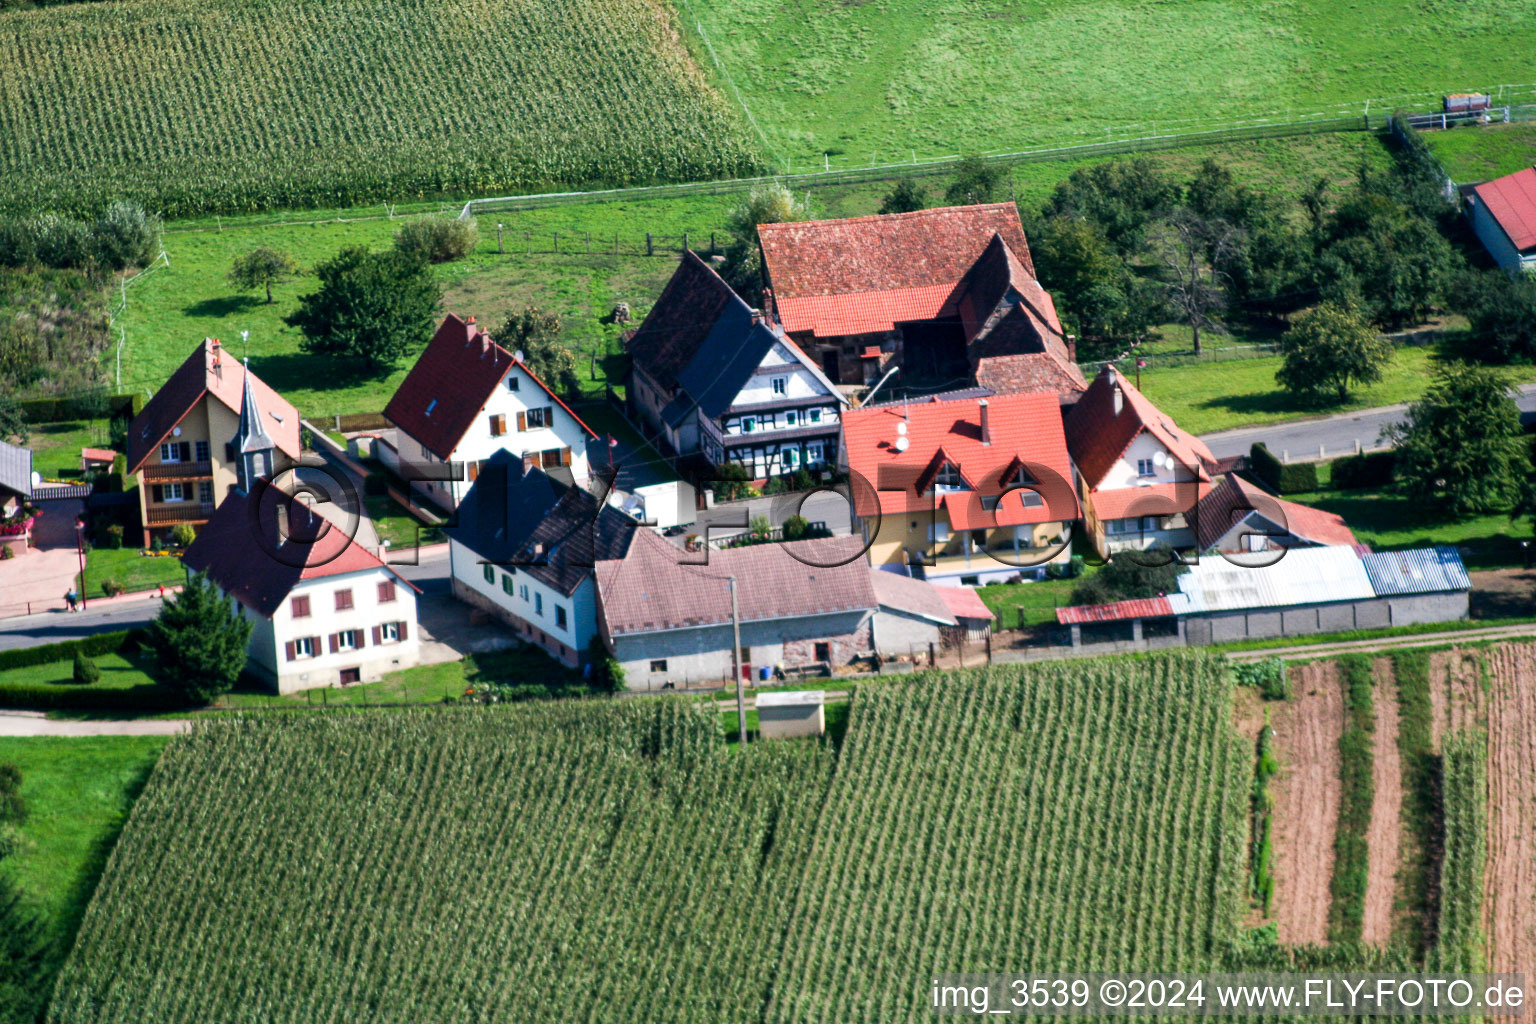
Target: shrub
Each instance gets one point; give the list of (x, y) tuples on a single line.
[(114, 537), (1281, 477), (86, 671), (1131, 575), (795, 527), (730, 482), (111, 587), (438, 239), (95, 645), (183, 534), (6, 554), (1267, 676), (198, 642), (124, 236), (1358, 472)]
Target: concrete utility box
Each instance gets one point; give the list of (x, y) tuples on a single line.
[(790, 713)]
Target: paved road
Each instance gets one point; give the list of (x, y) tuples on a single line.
[(731, 519), (430, 574), (1332, 436), (35, 723)]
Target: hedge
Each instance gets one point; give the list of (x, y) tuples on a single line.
[(1359, 472), (1281, 477), (93, 646), (65, 697), (59, 410)]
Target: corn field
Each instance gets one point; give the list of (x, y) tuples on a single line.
[(567, 862), (1088, 816), (191, 106)]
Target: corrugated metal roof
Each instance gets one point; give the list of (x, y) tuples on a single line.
[(1422, 571), (1147, 607), (1302, 576), (16, 469)]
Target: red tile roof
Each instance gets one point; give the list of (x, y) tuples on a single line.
[(1098, 437), (1220, 510), (917, 597), (209, 370), (1142, 608), (861, 275), (1032, 372), (458, 371), (98, 454), (242, 549), (652, 588), (1512, 202), (965, 603), (1156, 500), (1024, 427)]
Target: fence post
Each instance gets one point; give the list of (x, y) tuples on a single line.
[(530, 243), (685, 241), (650, 248), (589, 243), (500, 250), (557, 241), (711, 243), (615, 243)]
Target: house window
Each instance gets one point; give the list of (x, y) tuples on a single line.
[(823, 651), (780, 385), (748, 424), (344, 599), (538, 604), (949, 476), (173, 492), (659, 665), (792, 458), (389, 632), (555, 457), (489, 572), (813, 453), (304, 647), (498, 424), (200, 450), (299, 607), (538, 419), (174, 451), (512, 382), (523, 592), (425, 454), (351, 675), (506, 584), (348, 640), (205, 491), (789, 418), (559, 616), (938, 533), (815, 415), (1144, 467)]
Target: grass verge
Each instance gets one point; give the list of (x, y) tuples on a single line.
[(130, 567), (1356, 754)]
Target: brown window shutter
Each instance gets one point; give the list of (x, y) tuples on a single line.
[(157, 492), (362, 641), (335, 642), (289, 647), (549, 415), (565, 457), (474, 472), (403, 633), (522, 421), (377, 639)]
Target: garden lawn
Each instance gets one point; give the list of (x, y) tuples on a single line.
[(78, 792), (397, 526), (1474, 154), (117, 673), (132, 568), (879, 82), (1388, 521), (56, 446), (1206, 397), (1024, 605)]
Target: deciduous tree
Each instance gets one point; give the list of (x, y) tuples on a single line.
[(373, 306), (907, 197), (1328, 349), (1192, 252), (262, 267), (536, 333), (766, 204)]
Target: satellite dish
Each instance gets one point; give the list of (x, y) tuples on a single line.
[(901, 428), (901, 444), (176, 432), (518, 355), (1158, 459)]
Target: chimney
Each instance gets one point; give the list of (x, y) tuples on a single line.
[(1072, 347), (986, 423), (1114, 380), (530, 462), (471, 320)]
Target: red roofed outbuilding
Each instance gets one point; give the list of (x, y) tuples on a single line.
[(1239, 516), (1503, 213), (981, 487)]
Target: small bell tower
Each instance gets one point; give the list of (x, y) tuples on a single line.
[(253, 445)]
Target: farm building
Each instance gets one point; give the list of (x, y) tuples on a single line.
[(466, 399), (666, 613), (712, 375), (1503, 214), (791, 714), (911, 616), (1325, 589), (962, 491), (973, 619), (941, 293)]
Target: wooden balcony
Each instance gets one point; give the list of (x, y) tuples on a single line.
[(162, 471), (175, 512)]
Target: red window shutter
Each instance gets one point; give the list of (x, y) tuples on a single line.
[(403, 633), (522, 421), (289, 647), (377, 639), (335, 642), (386, 591)]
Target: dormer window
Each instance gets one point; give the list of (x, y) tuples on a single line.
[(949, 476), (1022, 479)]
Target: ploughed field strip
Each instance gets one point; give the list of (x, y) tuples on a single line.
[(512, 864), (188, 106)]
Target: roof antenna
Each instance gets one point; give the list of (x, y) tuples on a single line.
[(245, 339)]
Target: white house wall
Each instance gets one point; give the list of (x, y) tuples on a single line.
[(324, 669), (1124, 472), (536, 610), (1495, 240)]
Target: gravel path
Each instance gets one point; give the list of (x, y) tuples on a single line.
[(35, 723)]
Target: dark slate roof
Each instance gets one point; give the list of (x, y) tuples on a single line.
[(683, 317), (548, 528), (16, 469)]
